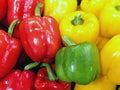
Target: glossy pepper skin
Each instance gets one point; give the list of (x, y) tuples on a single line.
[(21, 9), (43, 82), (78, 63), (18, 80), (58, 8), (3, 8), (110, 18), (110, 59), (40, 37), (92, 6), (102, 83), (80, 26), (10, 49)]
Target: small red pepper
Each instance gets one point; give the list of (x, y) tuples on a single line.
[(40, 37), (18, 80), (10, 49), (21, 9), (46, 80), (3, 8)]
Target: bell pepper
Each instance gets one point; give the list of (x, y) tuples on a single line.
[(80, 26), (102, 83), (58, 8), (40, 37), (21, 9), (3, 9), (18, 80), (109, 19), (110, 59), (77, 63), (10, 49), (92, 6), (46, 80)]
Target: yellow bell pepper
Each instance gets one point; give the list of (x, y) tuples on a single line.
[(110, 19), (110, 59), (58, 8), (93, 6), (80, 26), (102, 83)]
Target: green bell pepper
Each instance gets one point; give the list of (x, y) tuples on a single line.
[(78, 63)]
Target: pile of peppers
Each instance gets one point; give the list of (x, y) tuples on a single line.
[(59, 45)]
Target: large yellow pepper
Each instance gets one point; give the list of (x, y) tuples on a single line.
[(110, 19), (102, 83), (110, 59), (58, 8), (93, 6), (80, 26)]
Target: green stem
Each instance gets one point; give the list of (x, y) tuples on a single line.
[(51, 75), (37, 9), (118, 7), (12, 25), (31, 65), (77, 20), (68, 41)]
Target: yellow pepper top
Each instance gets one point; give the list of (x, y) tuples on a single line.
[(80, 26), (110, 19)]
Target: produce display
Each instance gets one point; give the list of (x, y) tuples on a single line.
[(59, 45)]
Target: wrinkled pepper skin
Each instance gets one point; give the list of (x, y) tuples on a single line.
[(3, 8), (18, 80), (10, 49), (110, 59), (59, 8), (40, 37), (80, 26), (78, 63), (42, 83), (109, 19), (21, 9)]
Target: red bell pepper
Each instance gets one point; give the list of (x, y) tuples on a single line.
[(40, 37), (46, 80), (21, 9), (3, 8), (10, 49), (18, 80)]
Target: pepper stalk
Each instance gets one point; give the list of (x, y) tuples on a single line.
[(11, 27), (51, 75)]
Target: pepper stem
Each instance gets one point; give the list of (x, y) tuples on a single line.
[(77, 20), (67, 41), (118, 7), (31, 65), (37, 9), (11, 27), (51, 76)]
